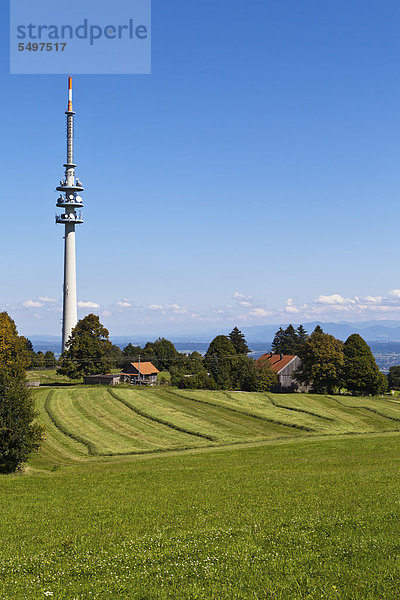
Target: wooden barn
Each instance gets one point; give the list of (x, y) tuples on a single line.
[(285, 366), (143, 373), (101, 379)]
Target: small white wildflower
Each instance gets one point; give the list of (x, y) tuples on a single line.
[(48, 593)]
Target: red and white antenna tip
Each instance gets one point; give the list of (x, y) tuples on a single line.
[(69, 94)]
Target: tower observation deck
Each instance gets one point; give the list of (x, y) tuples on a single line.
[(71, 202)]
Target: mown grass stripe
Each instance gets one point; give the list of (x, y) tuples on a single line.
[(300, 410), (91, 448), (140, 412), (226, 423), (368, 408), (102, 427), (242, 412)]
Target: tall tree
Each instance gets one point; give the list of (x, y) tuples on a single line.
[(132, 352), (14, 355), (28, 345), (289, 340), (301, 335), (50, 360), (164, 353), (278, 343), (239, 341), (30, 350), (321, 362), (243, 374), (38, 361), (218, 361), (89, 350), (19, 434), (266, 377), (361, 374)]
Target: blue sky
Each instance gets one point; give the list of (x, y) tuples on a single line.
[(253, 177)]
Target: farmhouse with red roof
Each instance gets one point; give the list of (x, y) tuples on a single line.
[(143, 373), (285, 366)]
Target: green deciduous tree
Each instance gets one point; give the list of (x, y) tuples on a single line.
[(50, 360), (132, 352), (38, 361), (201, 381), (243, 374), (239, 342), (218, 361), (189, 367), (266, 377), (321, 362), (162, 353), (19, 435), (361, 374), (89, 351), (14, 355)]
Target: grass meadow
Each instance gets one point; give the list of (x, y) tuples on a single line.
[(142, 494)]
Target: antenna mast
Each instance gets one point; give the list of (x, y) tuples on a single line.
[(70, 200)]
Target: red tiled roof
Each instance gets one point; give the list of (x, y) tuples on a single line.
[(146, 368), (277, 361)]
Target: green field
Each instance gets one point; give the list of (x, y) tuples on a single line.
[(92, 423), (140, 494)]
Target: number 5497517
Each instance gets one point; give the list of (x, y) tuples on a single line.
[(42, 47)]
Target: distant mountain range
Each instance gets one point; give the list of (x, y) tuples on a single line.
[(371, 331), (383, 336)]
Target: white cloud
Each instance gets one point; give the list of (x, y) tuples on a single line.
[(242, 300), (260, 312), (290, 307), (333, 299), (371, 299), (175, 308), (87, 304), (32, 304), (292, 310), (47, 299), (178, 310), (124, 303), (327, 307), (106, 313)]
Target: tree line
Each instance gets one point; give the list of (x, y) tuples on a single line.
[(40, 360), (327, 364), (226, 364)]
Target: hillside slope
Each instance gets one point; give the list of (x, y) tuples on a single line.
[(93, 423)]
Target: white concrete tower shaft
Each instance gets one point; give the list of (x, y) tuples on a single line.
[(70, 201)]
